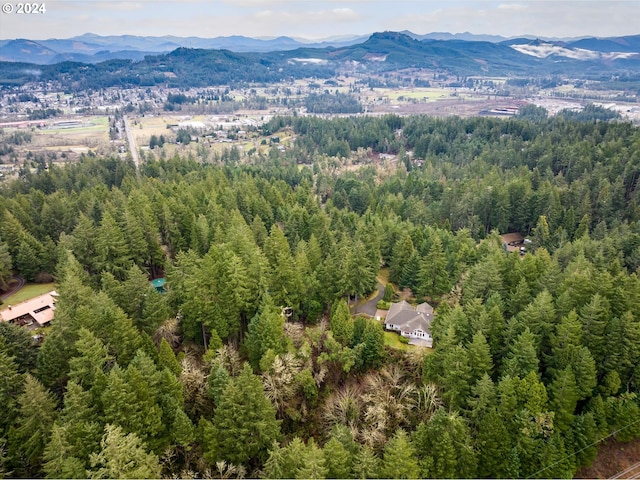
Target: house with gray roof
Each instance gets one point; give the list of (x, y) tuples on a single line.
[(413, 323)]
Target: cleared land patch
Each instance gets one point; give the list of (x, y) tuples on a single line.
[(27, 292)]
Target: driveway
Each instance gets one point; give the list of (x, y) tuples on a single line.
[(14, 287), (369, 307)]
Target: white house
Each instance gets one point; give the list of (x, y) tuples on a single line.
[(411, 323)]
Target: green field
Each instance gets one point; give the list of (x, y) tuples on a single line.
[(97, 124), (27, 292), (428, 94), (393, 340)]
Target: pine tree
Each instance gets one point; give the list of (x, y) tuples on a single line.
[(594, 316), (137, 297), (109, 323), (520, 297), (60, 462), (83, 242), (17, 342), (522, 357), (77, 431), (313, 462), (6, 266), (584, 370), (234, 287), (566, 337), (259, 230), (366, 464), (402, 251), (33, 426), (564, 398), (135, 238), (217, 382), (311, 302), (91, 359), (284, 281), (400, 459), (25, 250), (582, 439), (441, 463), (140, 211), (167, 359), (433, 277), (445, 447), (10, 386), (27, 261), (456, 380), (410, 272), (182, 430), (553, 460), (389, 291), (479, 357), (369, 333), (337, 459), (494, 447), (129, 402), (623, 412), (245, 421), (541, 232), (539, 316), (483, 280), (341, 323), (483, 398), (123, 456), (112, 251), (276, 465), (266, 332), (623, 347), (361, 271)]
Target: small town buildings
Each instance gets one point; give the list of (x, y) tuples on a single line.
[(34, 313), (413, 323)]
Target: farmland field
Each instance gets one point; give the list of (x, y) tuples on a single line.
[(66, 137), (430, 94)]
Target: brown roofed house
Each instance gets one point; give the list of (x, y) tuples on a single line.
[(514, 242), (34, 313)]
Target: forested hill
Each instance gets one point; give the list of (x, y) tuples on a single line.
[(251, 364), (381, 52)]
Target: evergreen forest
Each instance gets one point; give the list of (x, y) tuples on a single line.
[(255, 362)]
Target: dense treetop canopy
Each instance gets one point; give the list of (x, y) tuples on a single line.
[(251, 363)]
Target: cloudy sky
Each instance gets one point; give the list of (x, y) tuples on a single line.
[(315, 19)]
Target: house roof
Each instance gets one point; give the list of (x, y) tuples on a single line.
[(396, 308), (39, 308), (425, 308), (511, 241), (513, 238), (409, 319)]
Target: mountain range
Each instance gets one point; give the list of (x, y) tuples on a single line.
[(381, 52), (91, 48)]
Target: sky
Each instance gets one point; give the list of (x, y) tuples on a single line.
[(315, 19)]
